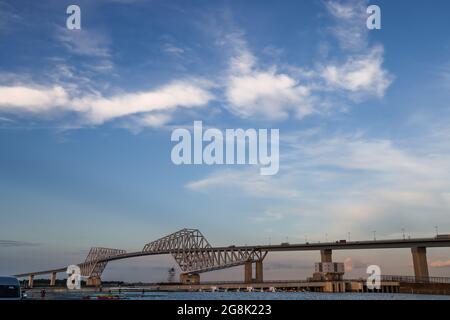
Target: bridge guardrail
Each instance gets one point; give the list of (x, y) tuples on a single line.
[(413, 279)]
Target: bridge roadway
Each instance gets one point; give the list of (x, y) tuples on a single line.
[(323, 247)]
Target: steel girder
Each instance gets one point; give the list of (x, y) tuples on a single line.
[(92, 267), (194, 254), (183, 239)]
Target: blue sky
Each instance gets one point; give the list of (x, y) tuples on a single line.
[(86, 117)]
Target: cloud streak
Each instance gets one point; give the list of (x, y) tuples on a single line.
[(350, 23), (84, 42), (14, 244), (345, 182), (440, 264), (97, 109)]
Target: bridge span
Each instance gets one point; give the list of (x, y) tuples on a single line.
[(194, 255)]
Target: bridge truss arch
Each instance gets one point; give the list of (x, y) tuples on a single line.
[(193, 253)]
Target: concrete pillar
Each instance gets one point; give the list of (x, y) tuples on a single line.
[(419, 255), (53, 279), (248, 272), (187, 278), (94, 282), (259, 271), (325, 255), (30, 280)]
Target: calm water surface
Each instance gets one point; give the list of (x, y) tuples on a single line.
[(237, 296)]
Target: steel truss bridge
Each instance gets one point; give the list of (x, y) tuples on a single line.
[(194, 254)]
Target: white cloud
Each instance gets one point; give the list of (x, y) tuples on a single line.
[(250, 89), (268, 94), (168, 98), (32, 99), (96, 109), (243, 63), (361, 75), (155, 120)]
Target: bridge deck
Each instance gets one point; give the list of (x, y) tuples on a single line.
[(349, 245)]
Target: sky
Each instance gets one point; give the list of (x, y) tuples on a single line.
[(86, 118)]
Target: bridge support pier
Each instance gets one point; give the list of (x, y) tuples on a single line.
[(326, 255), (419, 255), (187, 278), (259, 271), (94, 282), (248, 272), (30, 280), (53, 279)]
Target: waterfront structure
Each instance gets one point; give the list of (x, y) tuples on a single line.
[(195, 255)]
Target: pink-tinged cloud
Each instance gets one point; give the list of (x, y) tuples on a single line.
[(348, 264), (440, 264)]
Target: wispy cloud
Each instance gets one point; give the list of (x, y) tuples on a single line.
[(172, 49), (245, 181), (362, 72), (333, 182), (88, 43), (6, 119), (8, 17), (84, 42), (444, 73), (440, 264), (248, 88), (350, 23), (14, 243)]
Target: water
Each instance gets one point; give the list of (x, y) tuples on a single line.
[(237, 296)]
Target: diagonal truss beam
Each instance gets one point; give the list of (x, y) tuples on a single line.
[(194, 254), (92, 267)]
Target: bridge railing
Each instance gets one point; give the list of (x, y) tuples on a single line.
[(413, 279), (250, 283)]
